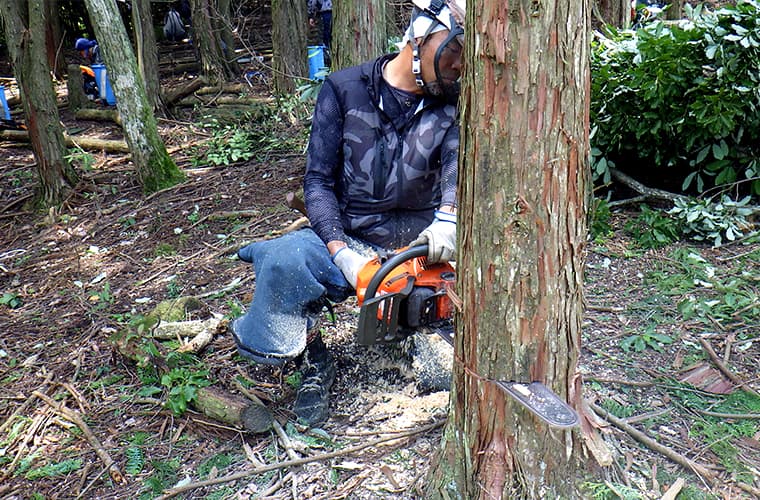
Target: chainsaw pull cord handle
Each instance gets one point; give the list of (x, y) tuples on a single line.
[(389, 265)]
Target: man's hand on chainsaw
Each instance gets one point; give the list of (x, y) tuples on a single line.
[(350, 263), (440, 237)]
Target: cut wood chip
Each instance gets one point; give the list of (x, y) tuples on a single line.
[(708, 379)]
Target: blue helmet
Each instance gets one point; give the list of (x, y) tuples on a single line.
[(84, 44)]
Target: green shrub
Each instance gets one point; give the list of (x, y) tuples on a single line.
[(683, 96), (653, 229)]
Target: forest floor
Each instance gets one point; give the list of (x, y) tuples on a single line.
[(72, 278)]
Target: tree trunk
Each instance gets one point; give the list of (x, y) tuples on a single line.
[(523, 201), (74, 89), (614, 12), (289, 58), (25, 32), (147, 51), (155, 168), (361, 33), (224, 26), (208, 43), (675, 10), (53, 33)]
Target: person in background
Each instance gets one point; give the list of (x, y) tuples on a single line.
[(323, 8), (381, 173), (89, 49)]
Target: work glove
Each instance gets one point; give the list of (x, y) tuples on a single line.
[(440, 237), (350, 263)]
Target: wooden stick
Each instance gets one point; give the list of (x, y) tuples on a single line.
[(170, 493), (647, 441), (26, 403), (76, 418)]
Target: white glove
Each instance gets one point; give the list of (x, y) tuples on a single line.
[(350, 263), (440, 237)]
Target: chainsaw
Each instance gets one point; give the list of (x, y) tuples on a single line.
[(404, 294)]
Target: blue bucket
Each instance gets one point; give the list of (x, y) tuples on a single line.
[(104, 85), (6, 109), (316, 61)]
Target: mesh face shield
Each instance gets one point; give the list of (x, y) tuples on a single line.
[(447, 57)]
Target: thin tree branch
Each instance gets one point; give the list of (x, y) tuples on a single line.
[(170, 493)]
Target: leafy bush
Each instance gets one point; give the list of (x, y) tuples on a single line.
[(653, 229), (683, 96), (600, 226), (705, 220)]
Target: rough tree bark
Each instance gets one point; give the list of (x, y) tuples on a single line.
[(147, 51), (207, 40), (523, 202), (289, 62), (361, 33), (56, 60), (223, 23), (25, 32), (155, 169), (614, 12)]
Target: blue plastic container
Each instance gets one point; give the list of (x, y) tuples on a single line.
[(6, 109), (104, 84), (316, 61)]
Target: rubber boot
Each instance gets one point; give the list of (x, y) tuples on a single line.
[(312, 405)]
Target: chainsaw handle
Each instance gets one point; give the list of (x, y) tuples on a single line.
[(392, 263)]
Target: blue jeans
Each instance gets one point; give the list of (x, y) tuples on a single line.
[(293, 273)]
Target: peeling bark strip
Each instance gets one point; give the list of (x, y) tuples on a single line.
[(155, 168), (522, 193)]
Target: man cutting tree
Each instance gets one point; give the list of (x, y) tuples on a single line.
[(381, 173)]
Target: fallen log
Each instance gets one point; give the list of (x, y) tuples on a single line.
[(170, 98), (88, 143), (104, 115), (233, 409), (222, 100), (228, 88)]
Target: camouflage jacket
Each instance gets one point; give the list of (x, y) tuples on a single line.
[(373, 170)]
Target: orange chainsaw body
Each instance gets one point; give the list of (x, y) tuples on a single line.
[(402, 294)]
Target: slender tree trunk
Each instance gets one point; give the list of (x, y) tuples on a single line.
[(675, 10), (155, 168), (523, 200), (223, 23), (25, 32), (147, 51), (53, 32), (289, 59), (614, 12), (207, 40), (360, 33)]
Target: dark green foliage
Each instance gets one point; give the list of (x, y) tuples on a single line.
[(653, 229), (682, 96)]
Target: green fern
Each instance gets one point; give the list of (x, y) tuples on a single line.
[(52, 470), (135, 461)]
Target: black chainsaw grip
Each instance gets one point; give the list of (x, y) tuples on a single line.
[(389, 265)]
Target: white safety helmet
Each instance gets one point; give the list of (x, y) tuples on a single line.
[(428, 17)]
